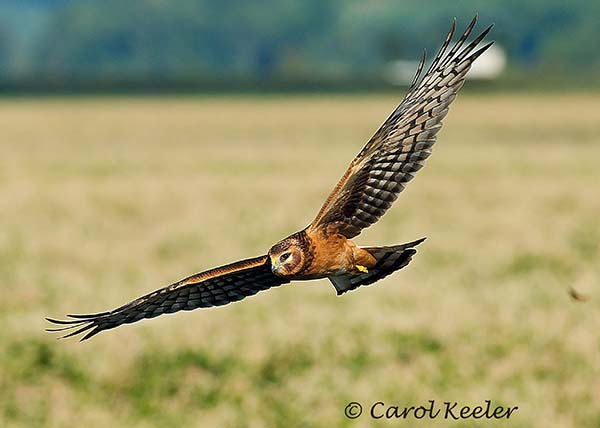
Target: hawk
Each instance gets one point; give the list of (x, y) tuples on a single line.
[(324, 248)]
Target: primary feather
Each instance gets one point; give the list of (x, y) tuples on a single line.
[(214, 287), (399, 148)]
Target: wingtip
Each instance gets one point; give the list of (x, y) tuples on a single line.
[(90, 334), (480, 51), (472, 24), (61, 322), (488, 28), (419, 69), (87, 316), (453, 26)]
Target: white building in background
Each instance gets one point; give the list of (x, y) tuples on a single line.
[(488, 66)]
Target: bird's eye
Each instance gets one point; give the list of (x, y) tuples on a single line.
[(284, 257)]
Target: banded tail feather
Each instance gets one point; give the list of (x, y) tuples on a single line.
[(389, 260)]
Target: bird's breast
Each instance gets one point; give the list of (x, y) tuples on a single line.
[(331, 255)]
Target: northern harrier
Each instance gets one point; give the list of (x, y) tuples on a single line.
[(323, 249)]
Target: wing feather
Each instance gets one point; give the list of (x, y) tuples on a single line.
[(401, 145), (214, 287)]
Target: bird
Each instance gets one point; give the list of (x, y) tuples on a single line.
[(324, 249), (577, 296)]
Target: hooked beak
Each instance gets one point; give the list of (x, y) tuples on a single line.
[(274, 264)]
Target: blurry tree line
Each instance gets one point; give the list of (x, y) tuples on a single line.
[(66, 43)]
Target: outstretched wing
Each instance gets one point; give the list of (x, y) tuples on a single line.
[(399, 148), (214, 287)]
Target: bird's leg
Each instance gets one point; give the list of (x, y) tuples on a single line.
[(362, 269), (361, 259)]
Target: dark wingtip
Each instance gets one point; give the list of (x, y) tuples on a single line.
[(477, 53), (487, 30), (54, 330), (62, 322), (97, 329), (466, 52), (419, 69), (87, 316), (80, 330), (471, 25), (79, 325)]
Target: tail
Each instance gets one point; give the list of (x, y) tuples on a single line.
[(389, 260)]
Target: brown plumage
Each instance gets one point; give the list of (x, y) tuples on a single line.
[(323, 249)]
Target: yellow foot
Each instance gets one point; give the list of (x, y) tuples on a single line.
[(362, 269)]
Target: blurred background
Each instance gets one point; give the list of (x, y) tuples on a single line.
[(182, 45), (145, 141)]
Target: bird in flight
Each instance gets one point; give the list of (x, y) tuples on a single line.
[(324, 248)]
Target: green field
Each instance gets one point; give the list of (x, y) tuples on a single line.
[(105, 199)]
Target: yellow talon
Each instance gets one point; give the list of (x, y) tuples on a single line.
[(362, 269)]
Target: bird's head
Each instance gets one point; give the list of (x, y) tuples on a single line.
[(288, 256)]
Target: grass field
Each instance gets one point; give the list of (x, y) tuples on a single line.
[(105, 199)]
